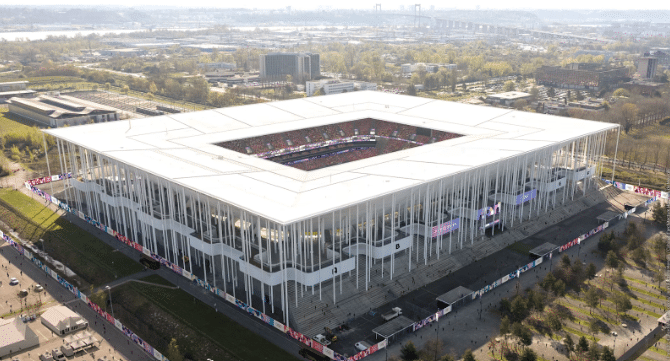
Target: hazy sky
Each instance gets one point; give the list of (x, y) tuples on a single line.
[(357, 4)]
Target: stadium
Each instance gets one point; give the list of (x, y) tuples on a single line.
[(312, 202)]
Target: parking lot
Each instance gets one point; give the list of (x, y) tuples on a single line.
[(15, 303)]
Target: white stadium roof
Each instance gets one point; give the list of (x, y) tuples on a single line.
[(181, 148)]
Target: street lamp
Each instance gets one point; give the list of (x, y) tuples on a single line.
[(437, 332), (109, 290)]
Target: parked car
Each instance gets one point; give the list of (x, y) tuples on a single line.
[(13, 281), (57, 354), (321, 339), (362, 346)]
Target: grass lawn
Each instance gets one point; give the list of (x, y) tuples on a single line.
[(520, 248), (91, 259), (10, 123), (158, 314)]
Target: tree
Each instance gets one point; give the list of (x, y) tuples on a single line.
[(594, 352), (583, 344), (591, 271), (565, 261), (505, 326), (658, 276), (528, 355), (639, 255), (659, 213), (594, 326), (551, 92), (607, 354), (559, 288), (509, 86), (534, 93), (408, 352), (591, 298), (520, 104), (569, 343), (468, 356), (548, 281), (622, 302), (447, 357), (125, 89), (523, 333), (554, 322), (411, 90), (606, 242), (612, 261), (519, 308), (629, 113), (431, 349), (621, 93), (152, 88), (173, 353)]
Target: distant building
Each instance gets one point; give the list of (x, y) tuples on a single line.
[(642, 86), (336, 86), (581, 76), (15, 89), (507, 98), (365, 86), (646, 67), (591, 105), (56, 111), (300, 66), (213, 66), (126, 52), (429, 68)]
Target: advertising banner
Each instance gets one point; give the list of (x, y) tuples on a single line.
[(525, 197), (328, 352), (446, 227), (488, 211)]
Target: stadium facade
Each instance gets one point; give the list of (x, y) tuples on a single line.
[(215, 192)]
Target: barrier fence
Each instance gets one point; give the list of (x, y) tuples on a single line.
[(31, 184)]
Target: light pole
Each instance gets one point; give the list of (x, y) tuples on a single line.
[(437, 332), (109, 290)]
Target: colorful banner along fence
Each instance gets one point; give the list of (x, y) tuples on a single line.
[(655, 194), (73, 289), (446, 227)]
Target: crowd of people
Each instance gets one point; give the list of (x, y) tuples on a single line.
[(405, 133)]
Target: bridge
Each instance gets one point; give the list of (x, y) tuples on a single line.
[(475, 27)]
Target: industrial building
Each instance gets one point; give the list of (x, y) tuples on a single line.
[(330, 86), (646, 67), (300, 66), (587, 76), (15, 89), (58, 110), (313, 201), (507, 98), (428, 68)]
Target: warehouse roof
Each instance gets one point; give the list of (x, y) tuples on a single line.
[(182, 148)]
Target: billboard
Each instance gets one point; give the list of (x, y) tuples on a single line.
[(446, 227), (525, 197)]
